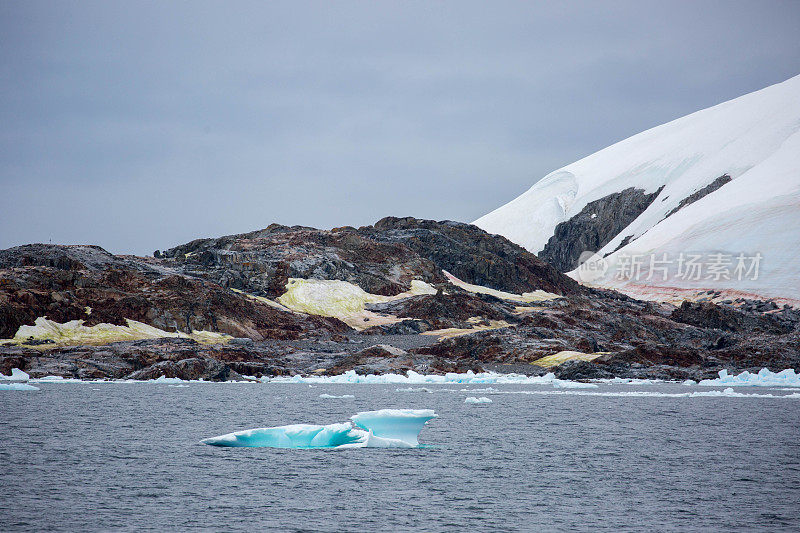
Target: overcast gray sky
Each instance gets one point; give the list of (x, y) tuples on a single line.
[(142, 125)]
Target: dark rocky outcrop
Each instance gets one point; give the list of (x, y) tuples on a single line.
[(643, 339), (473, 255), (86, 283), (381, 259), (260, 262), (705, 191), (595, 226), (452, 310), (191, 368), (727, 318)]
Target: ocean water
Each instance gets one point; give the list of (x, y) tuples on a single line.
[(120, 457)]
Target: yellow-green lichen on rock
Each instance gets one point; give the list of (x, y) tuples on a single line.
[(343, 300), (75, 333), (564, 356)]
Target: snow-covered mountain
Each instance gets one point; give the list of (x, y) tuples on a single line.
[(719, 188)]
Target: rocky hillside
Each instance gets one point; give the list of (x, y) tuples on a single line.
[(409, 295), (87, 283), (380, 259)]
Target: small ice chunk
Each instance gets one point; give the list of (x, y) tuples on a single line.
[(16, 375), (764, 378), (689, 382), (333, 396), (562, 384), (17, 386), (473, 399), (414, 378)]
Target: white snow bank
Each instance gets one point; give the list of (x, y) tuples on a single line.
[(16, 375), (727, 393), (386, 428), (755, 139), (473, 399), (17, 386), (764, 378), (413, 378), (335, 397), (535, 296)]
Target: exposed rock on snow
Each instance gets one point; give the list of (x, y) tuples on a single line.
[(705, 191), (594, 227)]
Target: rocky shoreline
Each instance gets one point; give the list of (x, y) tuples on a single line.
[(224, 309)]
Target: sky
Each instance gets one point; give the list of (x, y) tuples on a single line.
[(138, 126)]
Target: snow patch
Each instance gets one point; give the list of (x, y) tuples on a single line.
[(535, 296)]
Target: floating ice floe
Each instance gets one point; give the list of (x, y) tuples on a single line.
[(335, 397), (764, 378), (413, 378), (728, 393), (473, 399), (17, 386), (563, 384), (386, 428), (62, 379), (16, 375)]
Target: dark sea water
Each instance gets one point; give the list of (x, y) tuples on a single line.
[(88, 456)]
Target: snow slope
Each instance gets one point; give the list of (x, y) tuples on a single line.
[(754, 138)]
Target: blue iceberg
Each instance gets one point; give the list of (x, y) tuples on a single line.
[(386, 428)]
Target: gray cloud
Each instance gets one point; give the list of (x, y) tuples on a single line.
[(140, 125)]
